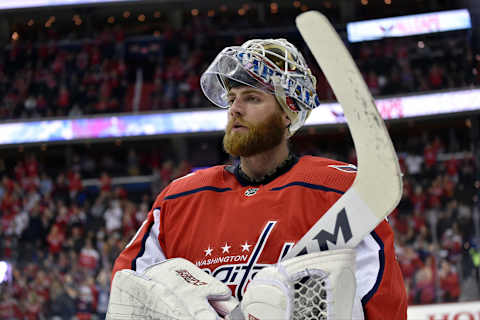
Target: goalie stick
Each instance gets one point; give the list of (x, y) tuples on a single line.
[(377, 187)]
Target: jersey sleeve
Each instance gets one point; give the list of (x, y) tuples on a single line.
[(147, 246), (380, 286), (386, 297)]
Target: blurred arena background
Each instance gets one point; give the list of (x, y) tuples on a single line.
[(100, 107)]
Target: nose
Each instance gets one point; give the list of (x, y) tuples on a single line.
[(236, 108)]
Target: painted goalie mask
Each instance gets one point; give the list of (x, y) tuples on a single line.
[(273, 65)]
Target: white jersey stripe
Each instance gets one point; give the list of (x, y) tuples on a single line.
[(152, 252), (369, 272)]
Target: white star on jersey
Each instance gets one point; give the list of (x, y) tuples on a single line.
[(246, 246), (226, 248), (208, 252)]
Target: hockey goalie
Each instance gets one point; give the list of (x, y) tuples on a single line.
[(215, 241)]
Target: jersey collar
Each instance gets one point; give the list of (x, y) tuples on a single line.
[(244, 180)]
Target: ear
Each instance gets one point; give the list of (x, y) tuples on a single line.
[(286, 120)]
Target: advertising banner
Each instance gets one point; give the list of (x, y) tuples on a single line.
[(409, 25), (14, 4), (212, 120), (446, 311)]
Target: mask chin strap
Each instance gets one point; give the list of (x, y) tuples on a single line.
[(297, 116)]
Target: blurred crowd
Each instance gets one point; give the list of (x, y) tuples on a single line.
[(61, 237), (436, 223), (61, 77), (417, 64), (53, 79)]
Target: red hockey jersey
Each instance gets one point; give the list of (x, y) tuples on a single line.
[(231, 229)]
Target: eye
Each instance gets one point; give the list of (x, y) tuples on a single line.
[(253, 98), (230, 100)]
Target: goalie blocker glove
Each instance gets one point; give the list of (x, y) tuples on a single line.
[(320, 285), (173, 289)]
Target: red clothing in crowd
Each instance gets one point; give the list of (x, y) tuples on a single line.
[(105, 182), (31, 167), (55, 239), (450, 285), (89, 258), (452, 167), (9, 309), (430, 156)]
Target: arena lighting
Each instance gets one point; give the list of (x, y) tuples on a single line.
[(4, 269), (408, 25), (15, 4), (214, 120)]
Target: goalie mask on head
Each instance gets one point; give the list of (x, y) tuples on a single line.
[(273, 65)]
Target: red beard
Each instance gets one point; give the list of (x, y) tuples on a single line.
[(259, 138)]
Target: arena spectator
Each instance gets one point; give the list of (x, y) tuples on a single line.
[(55, 239), (89, 257), (62, 304), (9, 306), (113, 216), (425, 283), (449, 282)]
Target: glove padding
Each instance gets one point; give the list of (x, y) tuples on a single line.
[(320, 285), (173, 289)]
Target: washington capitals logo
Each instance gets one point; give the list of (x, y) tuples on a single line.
[(386, 29), (251, 192), (243, 267)]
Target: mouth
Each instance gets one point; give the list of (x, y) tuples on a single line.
[(238, 127)]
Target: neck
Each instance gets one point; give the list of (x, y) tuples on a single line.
[(258, 166)]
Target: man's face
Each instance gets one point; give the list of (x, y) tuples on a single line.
[(256, 122)]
